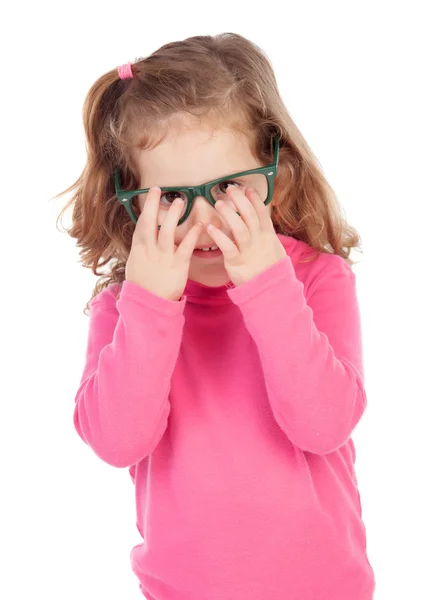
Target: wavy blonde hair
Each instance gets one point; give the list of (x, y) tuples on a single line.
[(224, 79)]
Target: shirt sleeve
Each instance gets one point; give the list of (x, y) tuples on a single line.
[(310, 350), (121, 406)]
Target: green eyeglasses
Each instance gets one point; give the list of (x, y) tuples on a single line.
[(261, 179)]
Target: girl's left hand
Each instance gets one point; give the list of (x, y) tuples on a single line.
[(258, 246)]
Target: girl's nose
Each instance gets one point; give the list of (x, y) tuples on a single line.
[(203, 210)]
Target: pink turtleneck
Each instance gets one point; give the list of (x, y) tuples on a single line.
[(233, 409)]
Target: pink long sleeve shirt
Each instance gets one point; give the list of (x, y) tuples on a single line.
[(233, 410)]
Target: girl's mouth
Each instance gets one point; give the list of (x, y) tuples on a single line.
[(208, 254)]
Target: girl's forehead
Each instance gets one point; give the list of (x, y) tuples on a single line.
[(194, 157)]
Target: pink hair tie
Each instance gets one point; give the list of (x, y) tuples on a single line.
[(125, 71)]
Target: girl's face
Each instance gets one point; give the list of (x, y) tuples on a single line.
[(191, 156)]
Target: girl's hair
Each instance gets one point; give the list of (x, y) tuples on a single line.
[(224, 79)]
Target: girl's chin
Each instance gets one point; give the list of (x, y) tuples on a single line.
[(212, 276)]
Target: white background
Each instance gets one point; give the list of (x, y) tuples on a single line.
[(355, 78)]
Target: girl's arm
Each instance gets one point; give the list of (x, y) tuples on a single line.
[(310, 349), (122, 404)]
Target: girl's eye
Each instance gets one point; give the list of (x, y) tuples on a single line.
[(171, 196), (221, 185), (166, 198)]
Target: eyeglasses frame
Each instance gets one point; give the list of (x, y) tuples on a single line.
[(270, 172)]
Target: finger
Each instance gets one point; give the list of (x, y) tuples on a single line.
[(146, 226), (169, 225), (187, 246), (226, 245)]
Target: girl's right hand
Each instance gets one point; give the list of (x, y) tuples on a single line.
[(155, 262)]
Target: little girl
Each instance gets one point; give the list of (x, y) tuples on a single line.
[(227, 380)]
